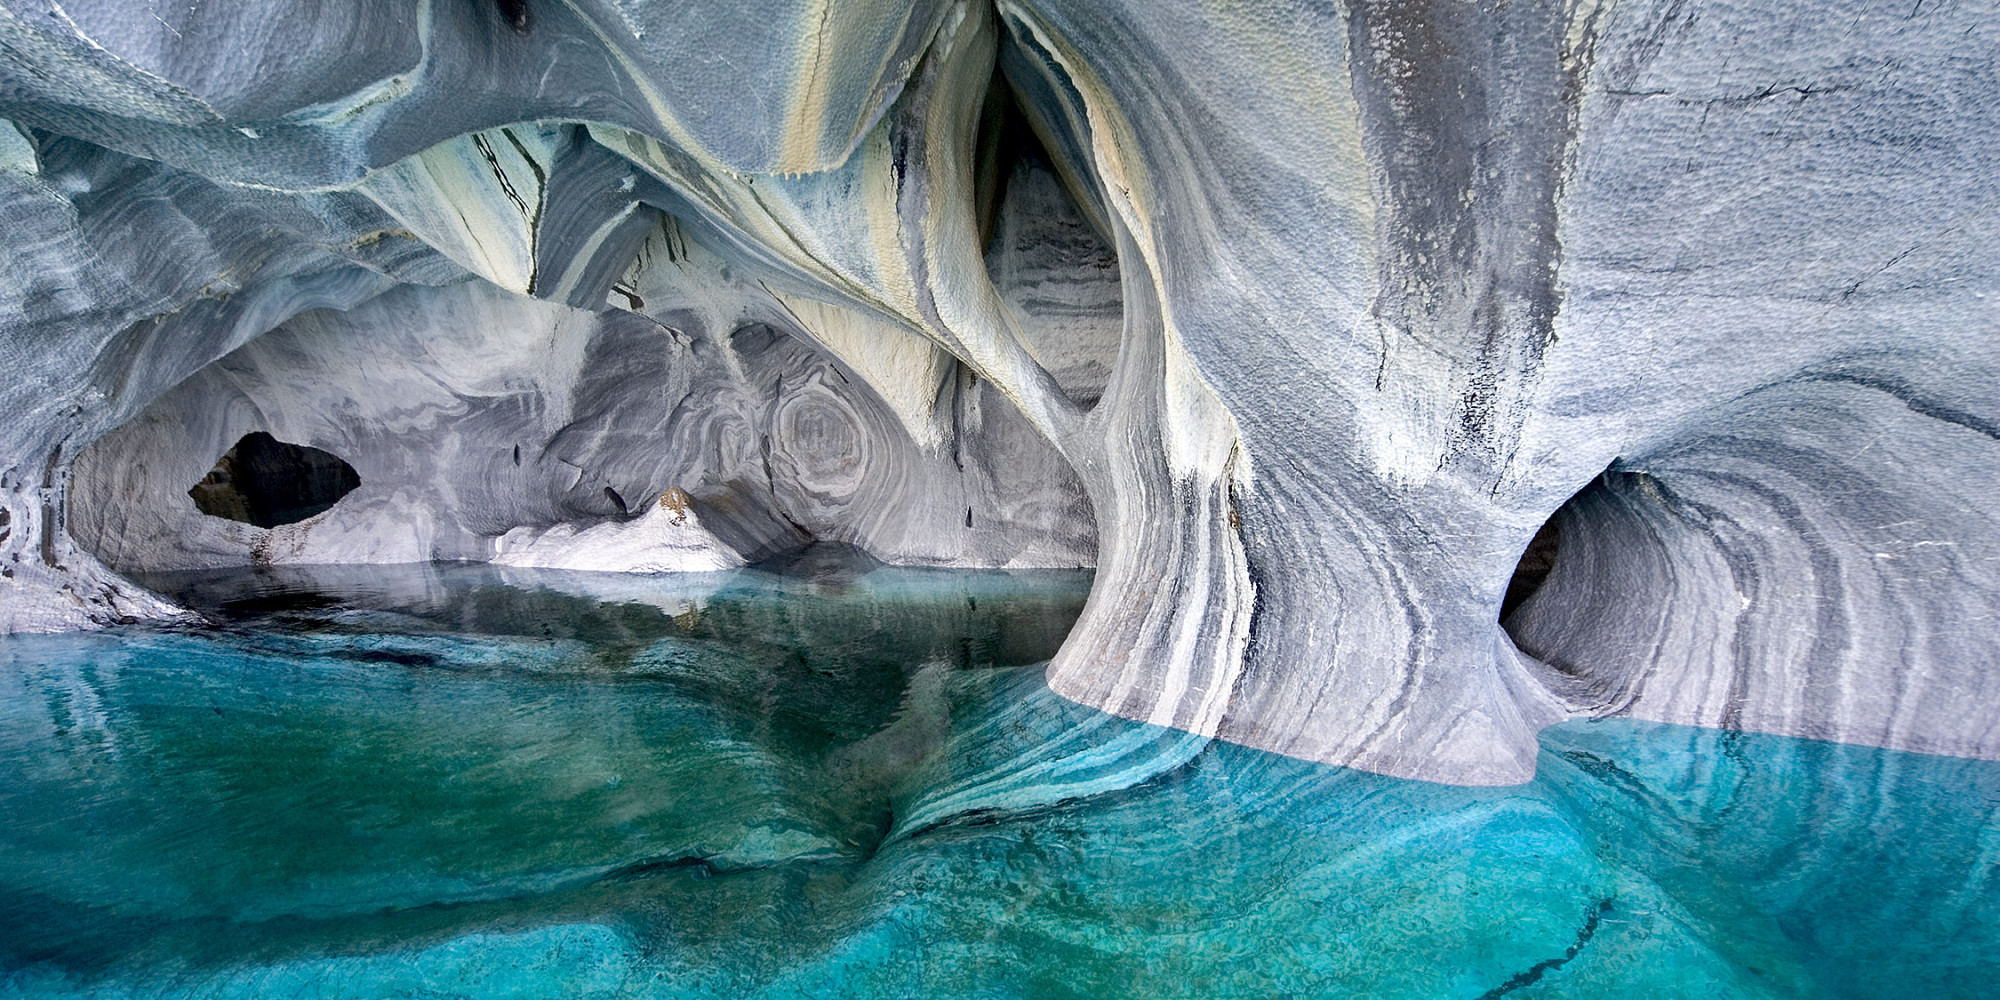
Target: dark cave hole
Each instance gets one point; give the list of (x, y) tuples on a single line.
[(517, 15), (1538, 561), (268, 482), (1003, 139), (1533, 569), (754, 339)]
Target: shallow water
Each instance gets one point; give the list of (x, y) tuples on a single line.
[(847, 781)]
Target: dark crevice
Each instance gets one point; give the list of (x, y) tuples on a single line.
[(518, 16), (1539, 559), (698, 865), (268, 482), (1045, 252), (754, 339), (1006, 141), (49, 524), (1533, 569), (49, 536), (993, 157), (1015, 145)]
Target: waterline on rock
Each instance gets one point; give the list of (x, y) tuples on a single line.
[(853, 782)]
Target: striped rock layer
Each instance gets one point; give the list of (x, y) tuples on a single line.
[(1298, 321)]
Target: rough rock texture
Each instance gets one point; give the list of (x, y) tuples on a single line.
[(1395, 281)]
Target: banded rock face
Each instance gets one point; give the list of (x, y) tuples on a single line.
[(490, 426), (1297, 321)]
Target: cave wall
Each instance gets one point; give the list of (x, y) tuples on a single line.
[(470, 412), (1496, 249), (1711, 283)]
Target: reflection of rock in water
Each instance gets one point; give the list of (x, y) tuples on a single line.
[(477, 780)]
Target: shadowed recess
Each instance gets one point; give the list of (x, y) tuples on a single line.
[(1533, 569), (268, 482)]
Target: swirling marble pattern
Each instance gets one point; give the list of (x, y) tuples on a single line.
[(1395, 281), (1787, 569), (485, 781), (533, 432)]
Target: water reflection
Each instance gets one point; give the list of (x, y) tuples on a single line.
[(848, 780)]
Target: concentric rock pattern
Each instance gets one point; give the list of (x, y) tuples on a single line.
[(1297, 321)]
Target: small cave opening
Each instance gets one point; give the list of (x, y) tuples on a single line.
[(1562, 546), (268, 482), (1583, 514)]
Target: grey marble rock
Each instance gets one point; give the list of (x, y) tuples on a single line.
[(122, 279), (280, 95), (490, 426), (1298, 321)]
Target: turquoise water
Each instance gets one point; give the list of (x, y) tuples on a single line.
[(847, 781)]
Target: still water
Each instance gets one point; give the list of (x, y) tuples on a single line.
[(839, 780)]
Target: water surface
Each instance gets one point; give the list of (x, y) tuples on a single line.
[(849, 781)]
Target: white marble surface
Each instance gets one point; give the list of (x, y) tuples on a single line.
[(1395, 281)]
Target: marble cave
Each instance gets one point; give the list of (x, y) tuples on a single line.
[(999, 498)]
